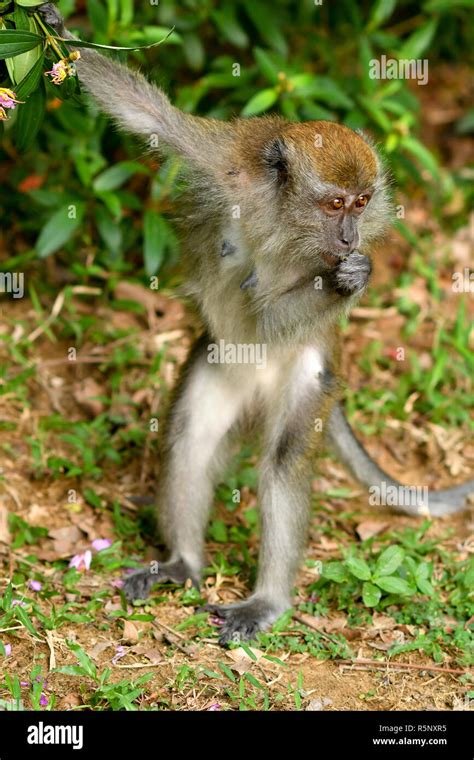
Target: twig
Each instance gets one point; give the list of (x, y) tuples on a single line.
[(52, 656), (144, 665), (167, 628), (310, 624), (382, 664)]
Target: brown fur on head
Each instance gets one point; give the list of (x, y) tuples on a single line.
[(285, 179)]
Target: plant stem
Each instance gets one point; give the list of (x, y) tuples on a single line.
[(49, 39)]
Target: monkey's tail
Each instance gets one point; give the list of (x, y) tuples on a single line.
[(401, 498)]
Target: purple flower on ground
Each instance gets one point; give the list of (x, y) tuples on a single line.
[(44, 700), (101, 543), (81, 561), (214, 707), (120, 652), (35, 585), (18, 603), (8, 649)]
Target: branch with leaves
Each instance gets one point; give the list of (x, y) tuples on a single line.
[(28, 45)]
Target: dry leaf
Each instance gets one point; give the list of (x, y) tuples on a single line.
[(370, 528), (85, 392), (98, 649), (5, 537), (130, 632)]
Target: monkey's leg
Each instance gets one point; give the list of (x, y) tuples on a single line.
[(205, 408), (284, 498)]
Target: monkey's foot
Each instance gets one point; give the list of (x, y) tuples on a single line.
[(242, 622), (139, 584), (352, 274)]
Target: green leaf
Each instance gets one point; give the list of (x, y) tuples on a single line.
[(254, 681), (59, 229), (393, 585), (115, 176), (109, 230), (70, 670), (434, 6), (29, 3), (334, 571), (424, 156), (14, 42), (229, 26), (22, 20), (268, 24), (422, 579), (24, 618), (419, 41), (267, 67), (376, 113), (218, 531), (381, 11), (92, 498), (260, 102), (194, 51), (326, 90), (98, 16), (371, 595), (359, 568), (7, 598), (84, 660), (389, 560), (96, 46), (30, 116), (31, 80), (155, 240)]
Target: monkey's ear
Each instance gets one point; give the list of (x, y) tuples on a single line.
[(275, 156)]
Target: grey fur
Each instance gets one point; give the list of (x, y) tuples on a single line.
[(253, 186)]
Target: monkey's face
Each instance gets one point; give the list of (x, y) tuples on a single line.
[(329, 194)]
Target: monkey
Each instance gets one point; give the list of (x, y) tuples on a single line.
[(277, 227)]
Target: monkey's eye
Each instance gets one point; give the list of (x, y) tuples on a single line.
[(362, 201), (337, 203)]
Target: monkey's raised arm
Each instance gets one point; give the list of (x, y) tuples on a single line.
[(141, 108)]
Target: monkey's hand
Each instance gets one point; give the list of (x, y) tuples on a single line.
[(52, 16), (352, 275)]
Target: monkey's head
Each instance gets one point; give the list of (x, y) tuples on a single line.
[(316, 192)]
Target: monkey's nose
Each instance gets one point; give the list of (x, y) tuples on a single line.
[(347, 245)]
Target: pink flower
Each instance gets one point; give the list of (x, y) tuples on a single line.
[(81, 561), (59, 72), (8, 649), (7, 100), (120, 652), (44, 700), (214, 707), (117, 583), (101, 543), (64, 68), (18, 603), (35, 585)]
